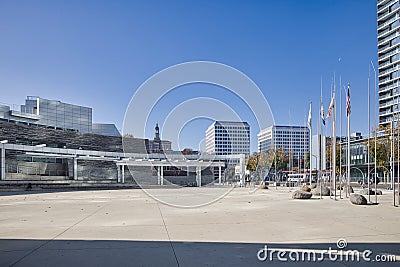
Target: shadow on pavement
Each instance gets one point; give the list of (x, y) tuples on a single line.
[(18, 252)]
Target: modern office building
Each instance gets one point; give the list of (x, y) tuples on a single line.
[(295, 140), (227, 138), (107, 129), (388, 59), (358, 149), (55, 114), (50, 113)]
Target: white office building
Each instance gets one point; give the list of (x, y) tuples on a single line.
[(388, 23), (228, 138), (294, 140)]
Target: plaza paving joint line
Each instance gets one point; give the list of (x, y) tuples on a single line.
[(169, 238), (48, 241)]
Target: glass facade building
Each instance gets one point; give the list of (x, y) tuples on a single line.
[(53, 113), (228, 138), (105, 129), (388, 26)]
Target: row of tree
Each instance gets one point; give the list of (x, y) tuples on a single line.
[(262, 162)]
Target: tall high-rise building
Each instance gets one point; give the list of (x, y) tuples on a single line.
[(228, 138), (388, 59), (294, 140)]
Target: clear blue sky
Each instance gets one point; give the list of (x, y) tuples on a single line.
[(97, 53)]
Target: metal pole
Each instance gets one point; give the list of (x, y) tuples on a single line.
[(392, 153), (368, 145), (320, 144), (276, 167), (348, 149), (392, 163), (310, 136), (340, 142), (375, 133), (398, 154), (334, 140)]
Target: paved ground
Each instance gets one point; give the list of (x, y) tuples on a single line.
[(128, 228)]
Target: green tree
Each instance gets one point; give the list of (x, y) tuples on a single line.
[(252, 162), (282, 159), (307, 160), (261, 162), (329, 157)]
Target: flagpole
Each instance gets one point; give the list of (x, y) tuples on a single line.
[(331, 161), (276, 168), (334, 138), (347, 189), (319, 144), (304, 148), (290, 144), (348, 139), (340, 142), (368, 145), (310, 124)]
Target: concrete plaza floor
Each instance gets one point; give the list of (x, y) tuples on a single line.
[(129, 228)]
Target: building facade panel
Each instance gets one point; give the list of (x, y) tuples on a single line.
[(388, 24), (55, 114), (227, 138), (294, 140)]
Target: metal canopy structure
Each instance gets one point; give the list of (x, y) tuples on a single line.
[(160, 164), (126, 159)]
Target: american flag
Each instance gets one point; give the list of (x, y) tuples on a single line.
[(348, 106)]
